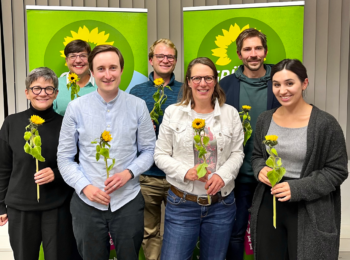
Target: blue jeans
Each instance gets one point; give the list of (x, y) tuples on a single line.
[(185, 221), (244, 195)]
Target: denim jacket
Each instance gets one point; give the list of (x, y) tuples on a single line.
[(174, 152)]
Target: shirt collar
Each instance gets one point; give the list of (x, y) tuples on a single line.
[(217, 111), (113, 101), (171, 82)]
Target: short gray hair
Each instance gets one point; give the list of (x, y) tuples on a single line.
[(42, 72)]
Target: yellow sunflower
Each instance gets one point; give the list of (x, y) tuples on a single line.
[(246, 108), (72, 77), (106, 136), (198, 123), (224, 41), (37, 120), (84, 34), (271, 137), (158, 82)]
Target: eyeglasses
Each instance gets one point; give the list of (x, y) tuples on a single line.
[(83, 56), (161, 57), (198, 79), (48, 90)]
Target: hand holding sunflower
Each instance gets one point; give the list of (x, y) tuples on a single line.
[(101, 149), (274, 162), (75, 88), (159, 98), (33, 143)]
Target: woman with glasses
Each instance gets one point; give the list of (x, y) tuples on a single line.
[(32, 221), (204, 207), (76, 53), (312, 148)]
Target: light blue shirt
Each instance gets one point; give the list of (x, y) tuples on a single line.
[(132, 146)]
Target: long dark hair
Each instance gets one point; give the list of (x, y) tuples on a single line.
[(294, 66)]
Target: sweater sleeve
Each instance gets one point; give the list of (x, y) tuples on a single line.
[(5, 167), (323, 181)]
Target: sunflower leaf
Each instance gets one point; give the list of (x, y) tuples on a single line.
[(201, 170), (206, 140)]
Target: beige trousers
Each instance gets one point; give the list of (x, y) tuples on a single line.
[(154, 191)]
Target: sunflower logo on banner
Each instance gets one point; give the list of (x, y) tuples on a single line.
[(224, 42), (93, 37)]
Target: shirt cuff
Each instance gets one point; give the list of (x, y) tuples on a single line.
[(81, 184)]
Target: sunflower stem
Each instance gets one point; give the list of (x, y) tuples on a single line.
[(37, 185), (107, 167), (274, 211)]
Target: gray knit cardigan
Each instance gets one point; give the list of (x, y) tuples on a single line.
[(318, 189)]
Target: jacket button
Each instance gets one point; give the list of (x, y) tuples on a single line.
[(177, 129), (219, 134), (230, 134), (221, 150), (225, 192)]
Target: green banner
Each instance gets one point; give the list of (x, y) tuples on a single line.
[(50, 29), (212, 32)]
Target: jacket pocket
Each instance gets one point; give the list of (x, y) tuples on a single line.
[(179, 132)]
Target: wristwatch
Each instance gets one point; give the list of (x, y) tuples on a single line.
[(132, 174)]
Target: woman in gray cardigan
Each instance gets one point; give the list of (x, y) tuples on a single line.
[(312, 147)]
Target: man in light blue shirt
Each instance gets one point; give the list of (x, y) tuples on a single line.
[(100, 204)]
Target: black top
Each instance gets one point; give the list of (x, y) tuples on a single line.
[(17, 168)]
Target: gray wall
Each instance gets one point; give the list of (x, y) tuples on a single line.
[(326, 45)]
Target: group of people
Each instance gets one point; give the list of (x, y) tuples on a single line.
[(80, 207)]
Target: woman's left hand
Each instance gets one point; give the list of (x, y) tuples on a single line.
[(214, 184), (281, 191), (44, 176)]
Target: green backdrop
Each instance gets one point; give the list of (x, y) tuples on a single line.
[(49, 31), (283, 26)]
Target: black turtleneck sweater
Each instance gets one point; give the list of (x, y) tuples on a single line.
[(17, 168)]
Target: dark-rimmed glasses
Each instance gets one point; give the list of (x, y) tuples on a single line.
[(48, 90), (82, 56), (161, 57), (198, 79)]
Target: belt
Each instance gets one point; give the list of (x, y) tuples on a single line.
[(200, 199)]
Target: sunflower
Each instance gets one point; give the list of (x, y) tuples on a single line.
[(84, 34), (106, 136), (198, 124), (72, 77), (224, 41), (271, 137), (37, 120), (158, 82), (246, 108)]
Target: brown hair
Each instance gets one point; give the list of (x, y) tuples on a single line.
[(250, 33), (187, 91), (104, 48), (77, 46), (167, 42)]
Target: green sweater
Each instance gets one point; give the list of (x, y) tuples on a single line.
[(253, 93)]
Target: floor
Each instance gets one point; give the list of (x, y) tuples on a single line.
[(9, 256)]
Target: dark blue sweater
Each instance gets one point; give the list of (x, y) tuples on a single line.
[(146, 91)]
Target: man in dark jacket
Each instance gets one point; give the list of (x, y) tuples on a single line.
[(154, 187), (250, 85)]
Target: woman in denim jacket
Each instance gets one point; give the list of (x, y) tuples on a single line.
[(189, 212)]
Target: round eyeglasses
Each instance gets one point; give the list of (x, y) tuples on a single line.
[(48, 90), (83, 56), (198, 79), (161, 57)]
